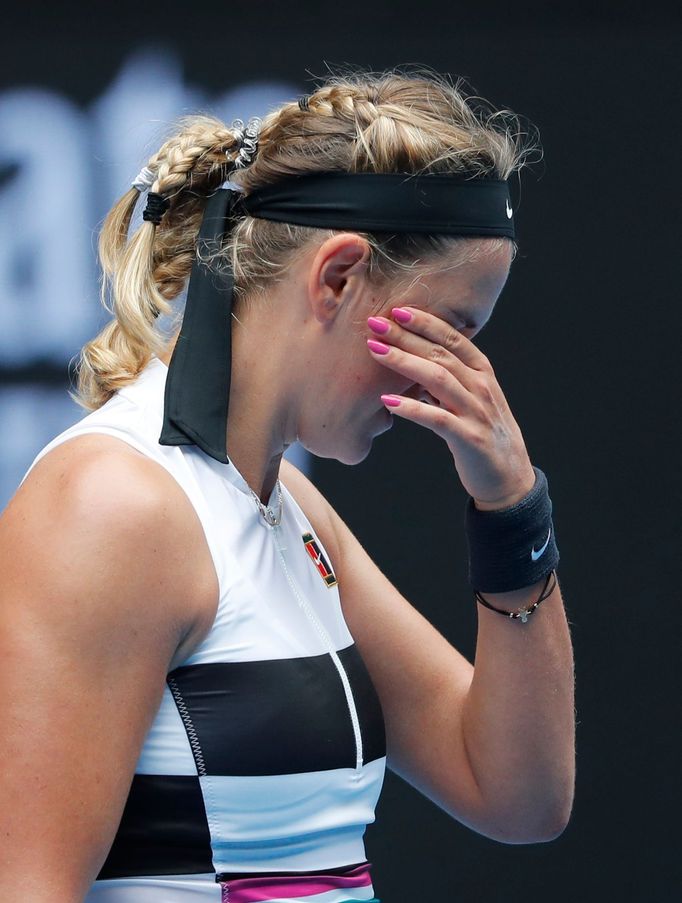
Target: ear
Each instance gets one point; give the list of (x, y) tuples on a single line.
[(337, 273)]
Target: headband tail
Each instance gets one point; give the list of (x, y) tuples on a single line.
[(197, 391)]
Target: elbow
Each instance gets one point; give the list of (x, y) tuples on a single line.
[(550, 828), (525, 835), (544, 820), (561, 819), (541, 828), (559, 815)]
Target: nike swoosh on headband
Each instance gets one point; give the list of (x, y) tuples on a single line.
[(535, 555), (196, 399)]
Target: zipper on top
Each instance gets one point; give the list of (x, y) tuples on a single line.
[(280, 545)]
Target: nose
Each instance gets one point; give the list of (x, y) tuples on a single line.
[(421, 394)]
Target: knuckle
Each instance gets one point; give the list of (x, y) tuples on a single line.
[(440, 419), (487, 393), (480, 413), (451, 340), (483, 389), (477, 440), (438, 354), (441, 376), (486, 366)]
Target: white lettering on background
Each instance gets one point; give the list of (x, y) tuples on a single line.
[(61, 168)]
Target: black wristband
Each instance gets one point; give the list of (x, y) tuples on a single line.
[(513, 547)]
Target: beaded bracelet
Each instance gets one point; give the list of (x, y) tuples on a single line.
[(523, 613)]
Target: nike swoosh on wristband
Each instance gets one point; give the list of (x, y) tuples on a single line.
[(535, 555), (509, 210)]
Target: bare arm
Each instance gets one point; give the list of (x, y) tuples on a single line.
[(491, 744), (518, 719), (92, 579)]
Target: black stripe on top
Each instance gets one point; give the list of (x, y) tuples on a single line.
[(163, 830), (277, 716)]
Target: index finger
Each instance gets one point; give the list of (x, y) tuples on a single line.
[(442, 333)]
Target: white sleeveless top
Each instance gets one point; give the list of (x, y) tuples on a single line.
[(266, 758)]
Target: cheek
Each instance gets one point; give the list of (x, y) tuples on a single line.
[(351, 384), (361, 378), (357, 388)]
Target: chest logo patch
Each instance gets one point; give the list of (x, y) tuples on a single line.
[(321, 564)]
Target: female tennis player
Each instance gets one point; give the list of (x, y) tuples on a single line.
[(204, 675)]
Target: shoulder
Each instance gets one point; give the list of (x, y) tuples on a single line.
[(94, 511), (93, 588), (87, 453), (97, 478)]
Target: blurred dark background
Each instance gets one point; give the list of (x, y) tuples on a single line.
[(584, 341)]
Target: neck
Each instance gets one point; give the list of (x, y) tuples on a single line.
[(260, 421)]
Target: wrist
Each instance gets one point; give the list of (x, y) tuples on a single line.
[(524, 611), (513, 547), (508, 500), (516, 598)]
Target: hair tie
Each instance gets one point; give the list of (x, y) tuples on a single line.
[(249, 142), (237, 129), (157, 205), (144, 179), (304, 102)]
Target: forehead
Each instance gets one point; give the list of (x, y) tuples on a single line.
[(483, 262), (471, 277)]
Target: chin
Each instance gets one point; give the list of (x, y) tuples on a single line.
[(344, 451), (349, 446), (358, 457)]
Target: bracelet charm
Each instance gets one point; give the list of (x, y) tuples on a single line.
[(524, 613)]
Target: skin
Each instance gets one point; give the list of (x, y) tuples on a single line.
[(316, 380), (491, 743), (500, 755)]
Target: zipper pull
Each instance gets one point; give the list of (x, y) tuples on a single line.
[(278, 533)]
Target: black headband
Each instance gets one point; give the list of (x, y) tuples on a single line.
[(197, 390)]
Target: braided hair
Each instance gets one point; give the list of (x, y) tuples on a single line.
[(393, 121)]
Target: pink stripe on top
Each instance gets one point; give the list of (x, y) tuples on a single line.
[(259, 889)]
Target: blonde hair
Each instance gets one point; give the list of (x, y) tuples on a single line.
[(392, 121)]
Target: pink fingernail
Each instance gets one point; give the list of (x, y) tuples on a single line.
[(377, 324), (392, 400), (401, 315), (378, 347)]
